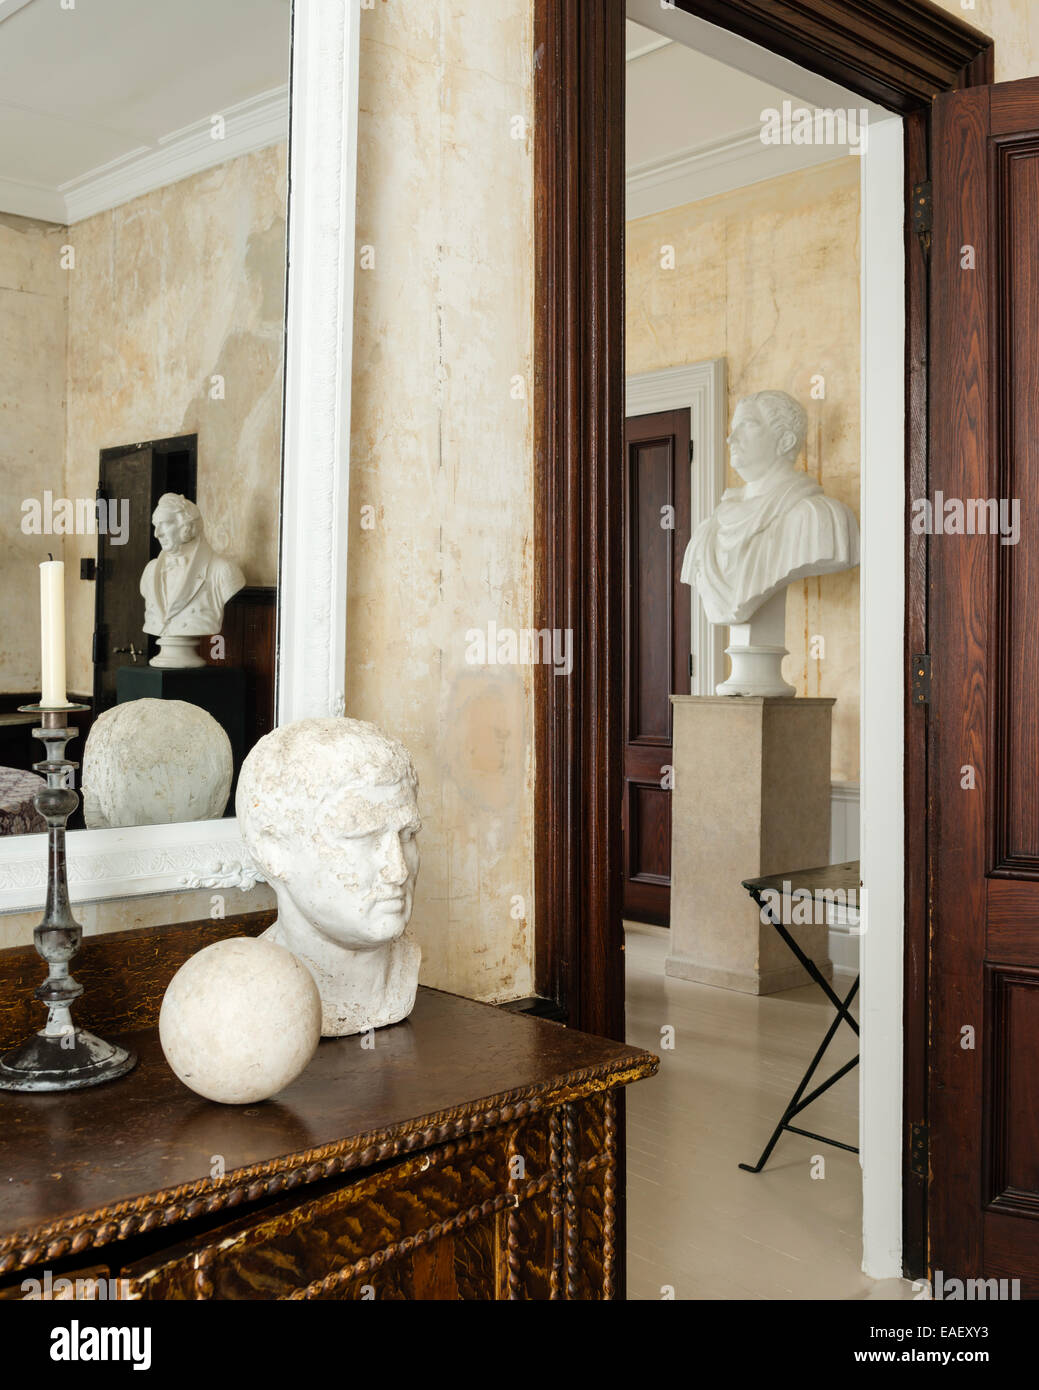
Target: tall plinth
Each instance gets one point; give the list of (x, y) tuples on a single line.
[(751, 797)]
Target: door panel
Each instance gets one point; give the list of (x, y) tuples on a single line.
[(657, 493), (135, 477), (984, 1085)]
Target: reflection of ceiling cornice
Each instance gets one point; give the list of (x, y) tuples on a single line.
[(649, 46), (718, 167), (249, 125), (10, 7)]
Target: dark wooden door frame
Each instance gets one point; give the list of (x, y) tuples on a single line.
[(898, 53)]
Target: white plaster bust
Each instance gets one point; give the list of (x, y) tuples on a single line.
[(155, 762), (185, 588), (779, 527), (328, 809)]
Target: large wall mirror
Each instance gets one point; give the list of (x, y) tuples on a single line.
[(175, 353)]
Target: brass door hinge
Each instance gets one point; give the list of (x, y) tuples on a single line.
[(921, 683), (923, 210), (919, 1150)]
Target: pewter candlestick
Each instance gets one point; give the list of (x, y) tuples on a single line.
[(61, 1056)]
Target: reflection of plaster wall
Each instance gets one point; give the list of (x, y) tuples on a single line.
[(169, 291), (768, 278), (442, 453), (32, 429)]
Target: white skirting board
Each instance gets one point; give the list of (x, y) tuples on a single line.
[(844, 846)]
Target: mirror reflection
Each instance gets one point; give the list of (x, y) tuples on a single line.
[(143, 189)]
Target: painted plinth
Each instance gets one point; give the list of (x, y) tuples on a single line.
[(751, 797)]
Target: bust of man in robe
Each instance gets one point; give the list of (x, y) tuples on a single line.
[(186, 587), (780, 526)]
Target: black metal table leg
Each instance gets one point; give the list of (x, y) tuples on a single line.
[(799, 1101)]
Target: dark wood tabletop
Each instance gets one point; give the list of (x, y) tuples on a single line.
[(101, 1150)]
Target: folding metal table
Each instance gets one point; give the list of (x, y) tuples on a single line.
[(840, 882)]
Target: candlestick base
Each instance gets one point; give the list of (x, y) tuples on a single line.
[(65, 1062), (61, 1056)]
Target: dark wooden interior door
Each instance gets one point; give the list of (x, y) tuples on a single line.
[(984, 719), (137, 475), (657, 644)]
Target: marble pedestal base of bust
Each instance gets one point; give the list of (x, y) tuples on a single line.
[(756, 650), (751, 797), (176, 653)]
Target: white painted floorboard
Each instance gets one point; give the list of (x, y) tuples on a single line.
[(698, 1223)]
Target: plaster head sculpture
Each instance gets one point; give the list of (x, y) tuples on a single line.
[(186, 586), (155, 762), (779, 527), (328, 809)]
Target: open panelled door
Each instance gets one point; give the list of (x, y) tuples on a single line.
[(984, 1047)]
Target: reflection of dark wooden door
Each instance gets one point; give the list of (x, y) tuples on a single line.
[(984, 713), (135, 477), (657, 649)]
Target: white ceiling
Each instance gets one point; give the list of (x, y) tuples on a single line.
[(129, 85), (638, 40), (693, 126)]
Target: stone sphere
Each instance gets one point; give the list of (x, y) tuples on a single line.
[(155, 762), (240, 1020)]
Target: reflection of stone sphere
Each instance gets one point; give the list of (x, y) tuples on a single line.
[(240, 1020), (155, 762)]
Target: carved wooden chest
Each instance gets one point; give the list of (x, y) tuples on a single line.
[(472, 1153)]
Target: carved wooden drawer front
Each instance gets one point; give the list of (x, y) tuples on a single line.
[(523, 1211), (472, 1156)]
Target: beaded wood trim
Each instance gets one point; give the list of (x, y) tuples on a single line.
[(518, 1191), (139, 1215)]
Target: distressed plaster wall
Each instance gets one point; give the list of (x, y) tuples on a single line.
[(768, 278), (442, 455), (32, 428), (154, 910), (169, 291), (1013, 24)]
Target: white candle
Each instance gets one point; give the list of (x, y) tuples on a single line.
[(52, 632)]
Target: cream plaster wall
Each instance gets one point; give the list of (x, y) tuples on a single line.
[(32, 428), (442, 453), (169, 291), (1014, 24), (155, 910), (768, 278)]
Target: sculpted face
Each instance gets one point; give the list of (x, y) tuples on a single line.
[(754, 447), (355, 880), (172, 530)]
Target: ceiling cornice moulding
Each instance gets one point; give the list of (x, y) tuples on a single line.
[(719, 167)]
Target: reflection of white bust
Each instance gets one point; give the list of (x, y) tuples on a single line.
[(328, 809), (761, 537), (185, 588)]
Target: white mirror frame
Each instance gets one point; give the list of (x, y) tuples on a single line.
[(315, 484)]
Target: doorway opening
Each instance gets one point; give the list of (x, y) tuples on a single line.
[(746, 277), (902, 67)]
